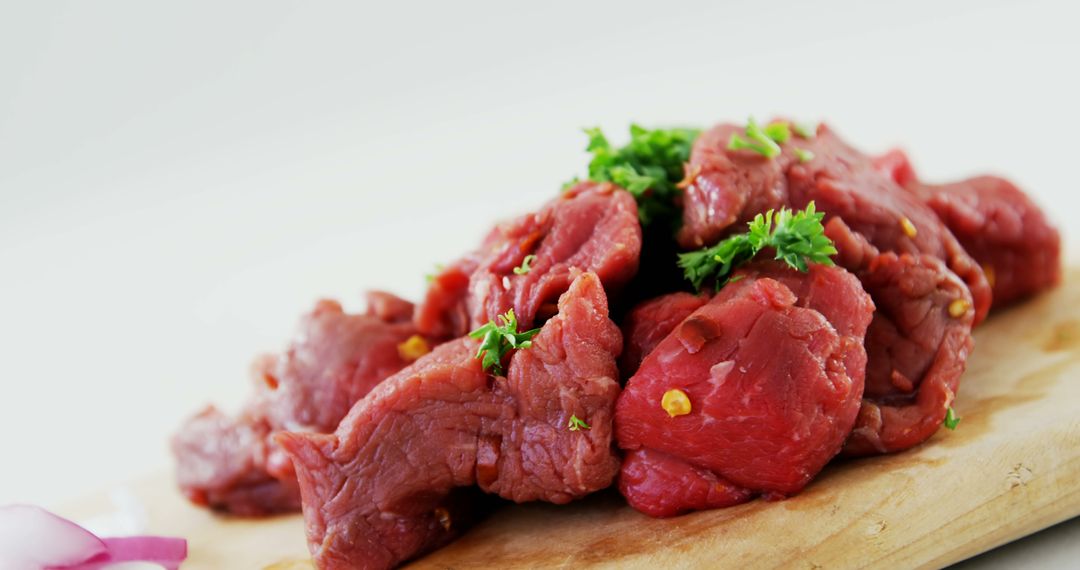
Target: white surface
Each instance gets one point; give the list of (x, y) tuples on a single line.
[(178, 181)]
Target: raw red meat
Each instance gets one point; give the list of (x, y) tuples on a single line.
[(727, 187), (222, 464), (917, 345), (650, 322), (378, 491), (733, 186), (997, 223), (591, 227), (774, 377), (1004, 231), (336, 358)]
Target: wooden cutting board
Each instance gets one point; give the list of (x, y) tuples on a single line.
[(1011, 468)]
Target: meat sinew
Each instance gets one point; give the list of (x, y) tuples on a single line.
[(591, 227), (336, 358), (997, 223), (732, 186), (378, 491), (753, 393), (917, 344)]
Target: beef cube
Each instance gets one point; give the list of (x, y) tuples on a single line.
[(997, 223), (753, 393), (591, 227), (381, 489), (842, 182), (917, 344), (230, 464)]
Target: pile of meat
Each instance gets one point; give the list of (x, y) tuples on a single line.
[(391, 436)]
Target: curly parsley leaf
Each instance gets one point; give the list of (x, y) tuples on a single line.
[(797, 237), (649, 166), (499, 339)]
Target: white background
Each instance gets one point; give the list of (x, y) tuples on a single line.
[(179, 181)]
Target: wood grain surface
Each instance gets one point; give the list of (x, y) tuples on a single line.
[(1012, 467)]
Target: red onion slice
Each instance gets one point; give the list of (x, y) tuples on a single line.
[(32, 538)]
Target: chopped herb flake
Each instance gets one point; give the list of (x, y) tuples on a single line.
[(524, 268), (951, 419), (577, 424), (804, 155), (757, 140)]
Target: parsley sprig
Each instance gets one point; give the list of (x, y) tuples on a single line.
[(649, 166), (499, 339), (797, 237)]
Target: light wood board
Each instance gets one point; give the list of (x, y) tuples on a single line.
[(1011, 468)]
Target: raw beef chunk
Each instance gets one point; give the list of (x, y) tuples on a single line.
[(222, 464), (733, 186), (1004, 230), (650, 322), (764, 384), (378, 491), (917, 345), (727, 187), (592, 227), (999, 225), (230, 463)]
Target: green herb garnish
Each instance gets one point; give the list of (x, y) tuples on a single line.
[(649, 166), (779, 131), (762, 141), (524, 268), (499, 339), (804, 155), (797, 237), (577, 423), (951, 419)]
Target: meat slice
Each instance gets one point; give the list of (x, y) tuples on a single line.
[(997, 223), (591, 227), (376, 491), (773, 387), (917, 344), (336, 358), (650, 322), (727, 187), (842, 181)]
